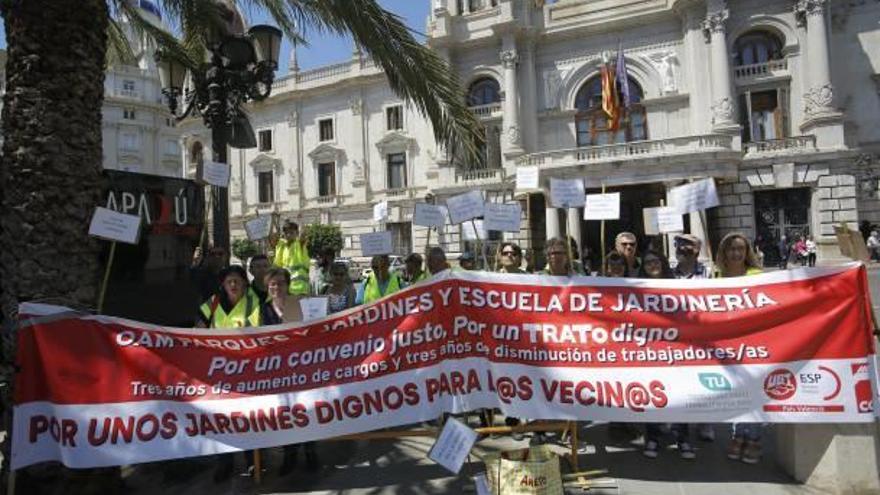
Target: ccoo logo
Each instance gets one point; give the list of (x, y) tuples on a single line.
[(780, 384), (715, 382)]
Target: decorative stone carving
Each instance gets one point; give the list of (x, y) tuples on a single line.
[(235, 187), (806, 8), (665, 63), (714, 23), (818, 98), (293, 180), (358, 177), (722, 111), (552, 87), (509, 59), (293, 119), (513, 135), (356, 104)]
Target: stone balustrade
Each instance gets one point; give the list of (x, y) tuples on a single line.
[(771, 68), (794, 144)]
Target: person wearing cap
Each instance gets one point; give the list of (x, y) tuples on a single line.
[(687, 252), (292, 253), (625, 244), (467, 261), (235, 306), (380, 283), (414, 272)]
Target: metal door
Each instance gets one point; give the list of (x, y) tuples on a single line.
[(777, 213)]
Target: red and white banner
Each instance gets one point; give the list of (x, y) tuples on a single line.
[(789, 346)]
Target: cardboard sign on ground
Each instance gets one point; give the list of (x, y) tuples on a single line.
[(453, 445)]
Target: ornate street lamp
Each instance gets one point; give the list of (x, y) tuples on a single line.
[(241, 69)]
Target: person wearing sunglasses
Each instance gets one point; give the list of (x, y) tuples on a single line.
[(687, 252), (625, 243), (510, 258)]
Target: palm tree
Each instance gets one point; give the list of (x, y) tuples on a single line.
[(50, 178)]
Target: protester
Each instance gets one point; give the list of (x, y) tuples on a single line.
[(204, 271), (380, 283), (292, 253), (436, 261), (811, 251), (800, 250), (873, 244), (687, 251), (258, 267), (510, 259), (414, 273), (321, 278), (340, 293), (557, 258), (235, 306), (656, 266), (614, 265), (735, 259), (467, 261), (783, 252), (625, 244), (283, 307)]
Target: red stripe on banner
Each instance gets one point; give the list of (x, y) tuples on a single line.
[(802, 408)]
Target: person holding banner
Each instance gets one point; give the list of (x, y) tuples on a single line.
[(736, 259), (625, 243), (282, 307), (654, 266), (414, 273), (558, 263), (510, 259), (615, 265), (341, 293), (292, 253), (380, 283)]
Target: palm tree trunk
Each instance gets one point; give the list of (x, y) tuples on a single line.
[(50, 176)]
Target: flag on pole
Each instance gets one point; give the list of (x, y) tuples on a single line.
[(610, 102), (622, 79)]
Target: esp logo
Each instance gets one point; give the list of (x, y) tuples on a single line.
[(715, 382), (780, 384), (862, 386)]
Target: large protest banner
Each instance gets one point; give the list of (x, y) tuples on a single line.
[(789, 346)]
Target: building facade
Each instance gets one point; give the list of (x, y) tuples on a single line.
[(777, 100)]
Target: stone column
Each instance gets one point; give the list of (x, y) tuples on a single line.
[(512, 137), (818, 98), (573, 225), (723, 103), (551, 220), (529, 99)]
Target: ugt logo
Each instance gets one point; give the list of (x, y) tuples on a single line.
[(716, 382), (780, 384)]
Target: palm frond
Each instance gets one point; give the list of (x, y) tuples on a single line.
[(119, 49)]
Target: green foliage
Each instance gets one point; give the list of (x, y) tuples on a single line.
[(245, 249), (319, 236)]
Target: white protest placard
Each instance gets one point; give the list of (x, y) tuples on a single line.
[(114, 226), (695, 196), (313, 308), (376, 243), (502, 217), (429, 215), (216, 174), (602, 206), (258, 228), (465, 206), (526, 178), (662, 220), (380, 211), (453, 445), (474, 231), (567, 193)]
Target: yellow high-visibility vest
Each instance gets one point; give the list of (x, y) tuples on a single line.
[(294, 256), (372, 290), (246, 312)]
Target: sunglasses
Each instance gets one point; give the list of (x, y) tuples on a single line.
[(627, 244), (508, 253)]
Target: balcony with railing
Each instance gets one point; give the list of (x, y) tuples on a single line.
[(479, 176), (757, 72), (327, 74), (488, 111), (635, 150), (783, 146)]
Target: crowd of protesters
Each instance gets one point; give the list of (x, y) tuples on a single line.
[(272, 293)]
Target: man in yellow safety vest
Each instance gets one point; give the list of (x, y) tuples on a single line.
[(380, 283), (291, 253)]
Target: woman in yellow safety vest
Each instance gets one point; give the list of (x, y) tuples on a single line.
[(236, 306), (291, 253), (380, 283)]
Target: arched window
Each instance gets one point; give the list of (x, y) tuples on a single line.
[(757, 47), (483, 92), (592, 123)]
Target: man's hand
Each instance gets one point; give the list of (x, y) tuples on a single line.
[(197, 256)]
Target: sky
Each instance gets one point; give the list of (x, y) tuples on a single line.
[(326, 49)]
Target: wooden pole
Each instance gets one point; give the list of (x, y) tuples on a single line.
[(479, 244), (106, 277), (665, 237), (703, 222), (258, 467)]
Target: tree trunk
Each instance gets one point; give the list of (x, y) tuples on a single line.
[(50, 175)]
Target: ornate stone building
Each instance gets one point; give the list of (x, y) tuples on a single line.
[(778, 100)]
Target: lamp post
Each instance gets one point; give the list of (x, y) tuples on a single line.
[(241, 68)]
